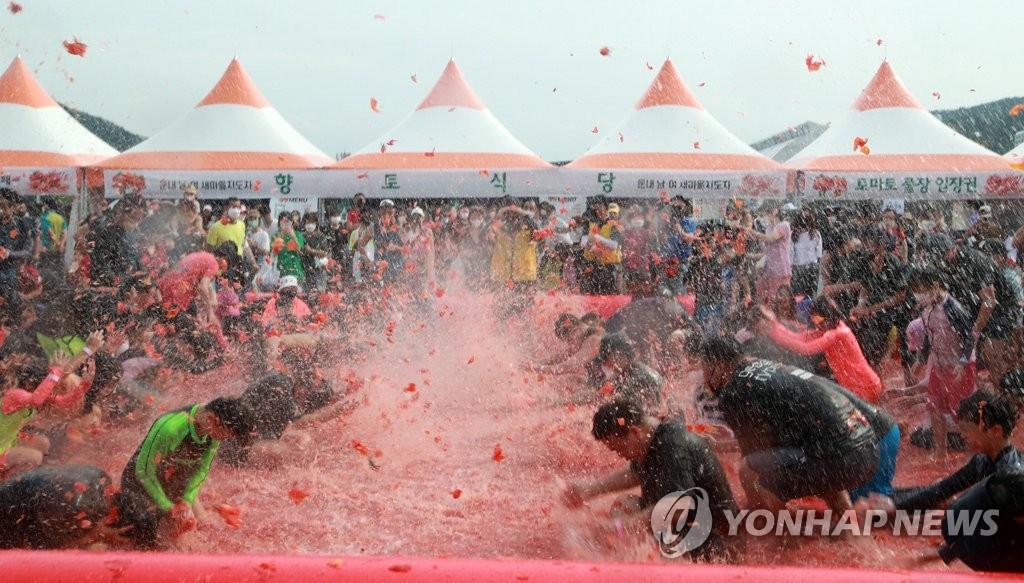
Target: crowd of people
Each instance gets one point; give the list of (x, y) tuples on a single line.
[(796, 313)]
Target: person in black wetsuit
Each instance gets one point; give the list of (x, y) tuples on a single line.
[(986, 423), (799, 434), (161, 482), (629, 378), (273, 405), (664, 458), (54, 507)]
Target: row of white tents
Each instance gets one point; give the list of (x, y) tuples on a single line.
[(234, 143)]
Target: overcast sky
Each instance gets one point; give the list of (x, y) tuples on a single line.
[(320, 61)]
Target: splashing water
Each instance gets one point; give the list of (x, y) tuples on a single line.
[(422, 445)]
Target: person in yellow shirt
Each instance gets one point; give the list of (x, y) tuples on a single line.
[(602, 248), (514, 259), (228, 228)]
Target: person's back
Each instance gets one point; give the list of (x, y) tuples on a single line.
[(641, 383), (769, 405), (36, 511)]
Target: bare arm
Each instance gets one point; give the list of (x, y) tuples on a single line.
[(988, 305), (576, 494)]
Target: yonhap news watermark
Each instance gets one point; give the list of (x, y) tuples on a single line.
[(683, 521)]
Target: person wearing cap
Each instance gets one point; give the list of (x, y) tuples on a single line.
[(420, 258), (230, 227), (190, 195), (514, 256), (207, 214), (286, 320), (677, 238), (602, 249), (387, 238), (985, 227), (116, 250)]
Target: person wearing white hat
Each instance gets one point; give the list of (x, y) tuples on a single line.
[(388, 242), (191, 194), (419, 276), (286, 319)]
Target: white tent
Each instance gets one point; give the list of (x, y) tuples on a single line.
[(41, 145), (1016, 157), (669, 145), (888, 146), (451, 145), (233, 143)]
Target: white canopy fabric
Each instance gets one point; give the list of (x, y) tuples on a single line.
[(451, 145), (233, 143), (41, 145), (669, 145), (1016, 157), (888, 146)]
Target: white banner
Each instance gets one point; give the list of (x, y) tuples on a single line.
[(483, 183), (911, 186), (656, 183), (303, 204), (40, 181), (216, 184)]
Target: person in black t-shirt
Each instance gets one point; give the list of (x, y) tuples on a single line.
[(664, 458), (991, 480), (969, 277), (704, 279), (799, 435), (116, 253)]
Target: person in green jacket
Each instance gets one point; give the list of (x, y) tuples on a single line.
[(161, 482), (289, 247)]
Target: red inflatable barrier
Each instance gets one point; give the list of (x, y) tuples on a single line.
[(606, 306), (84, 567)]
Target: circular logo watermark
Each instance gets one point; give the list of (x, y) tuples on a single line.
[(681, 521)]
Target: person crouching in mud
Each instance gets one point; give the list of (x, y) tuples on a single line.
[(161, 482), (664, 458), (799, 434), (56, 507)]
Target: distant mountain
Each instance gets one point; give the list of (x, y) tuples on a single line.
[(119, 138), (989, 124)]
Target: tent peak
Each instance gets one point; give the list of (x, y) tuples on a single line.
[(885, 90), (235, 87), (452, 90), (668, 89), (19, 86)]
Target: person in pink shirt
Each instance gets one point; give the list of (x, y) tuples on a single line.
[(833, 338), (778, 267)]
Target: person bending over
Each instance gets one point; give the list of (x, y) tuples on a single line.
[(664, 458), (986, 423), (161, 482), (799, 434)]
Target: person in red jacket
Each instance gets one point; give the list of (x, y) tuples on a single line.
[(833, 338)]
